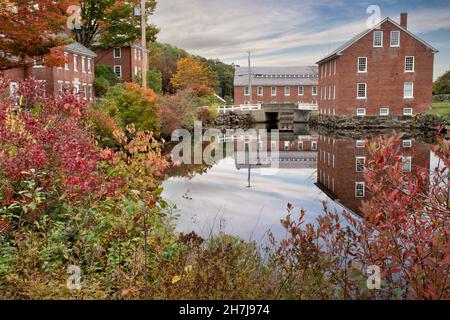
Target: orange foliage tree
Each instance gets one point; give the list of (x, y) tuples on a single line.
[(29, 28), (194, 75)]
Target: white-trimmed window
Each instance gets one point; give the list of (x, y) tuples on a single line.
[(361, 111), (314, 90), (334, 92), (301, 90), (273, 91), (300, 146), (378, 39), (85, 91), (360, 164), (118, 71), (409, 64), (117, 53), (407, 164), (13, 89), (91, 92), (246, 91), (260, 91), (362, 64), (83, 64), (76, 89), (314, 145), (287, 146), (60, 88), (360, 143), (407, 143), (407, 111), (408, 90), (66, 62), (361, 91), (67, 86), (384, 111), (329, 92), (135, 54), (287, 91), (89, 65), (360, 189), (395, 38), (75, 63)]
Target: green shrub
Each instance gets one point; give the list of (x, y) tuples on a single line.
[(102, 71), (101, 86)]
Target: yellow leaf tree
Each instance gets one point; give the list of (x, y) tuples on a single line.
[(194, 75)]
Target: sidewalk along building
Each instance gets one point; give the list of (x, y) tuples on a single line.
[(76, 75), (341, 164), (126, 62), (383, 71), (275, 85)]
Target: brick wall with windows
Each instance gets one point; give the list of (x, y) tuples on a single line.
[(263, 94), (126, 62), (339, 164), (397, 75)]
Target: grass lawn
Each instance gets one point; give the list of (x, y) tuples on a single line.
[(441, 108)]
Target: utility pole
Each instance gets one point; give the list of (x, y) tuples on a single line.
[(250, 77), (144, 44)]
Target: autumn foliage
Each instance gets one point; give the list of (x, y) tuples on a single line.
[(194, 75)]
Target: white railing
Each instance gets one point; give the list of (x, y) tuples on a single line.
[(242, 107), (308, 106)]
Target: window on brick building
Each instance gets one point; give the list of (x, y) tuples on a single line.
[(246, 91), (407, 111), (273, 91), (407, 164), (409, 64), (83, 64), (362, 64), (407, 143), (329, 92), (300, 146), (89, 66), (75, 63), (66, 63), (76, 89), (287, 91), (384, 111), (362, 91), (118, 71), (334, 92), (360, 143), (360, 163), (117, 53), (408, 90), (378, 38), (301, 90), (85, 92), (360, 189), (38, 61), (260, 91), (395, 38), (361, 112), (314, 90), (91, 92), (60, 88), (314, 145)]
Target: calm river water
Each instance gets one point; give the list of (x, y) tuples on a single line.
[(239, 198)]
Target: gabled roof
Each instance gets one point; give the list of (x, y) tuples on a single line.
[(266, 76), (349, 43), (76, 47)]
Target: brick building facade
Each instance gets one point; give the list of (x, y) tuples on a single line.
[(384, 71), (126, 62), (77, 74), (276, 85), (341, 164)]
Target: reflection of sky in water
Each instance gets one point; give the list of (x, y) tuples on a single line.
[(221, 198)]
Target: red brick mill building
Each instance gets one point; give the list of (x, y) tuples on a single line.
[(276, 85), (383, 71)]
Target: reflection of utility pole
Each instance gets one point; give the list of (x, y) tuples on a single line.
[(144, 44), (250, 77)]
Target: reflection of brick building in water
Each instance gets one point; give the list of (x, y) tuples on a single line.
[(341, 163)]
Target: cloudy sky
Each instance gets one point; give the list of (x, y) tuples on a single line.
[(290, 32)]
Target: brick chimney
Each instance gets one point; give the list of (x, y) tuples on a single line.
[(404, 20)]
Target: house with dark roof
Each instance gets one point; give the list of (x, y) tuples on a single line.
[(275, 85), (76, 75), (383, 71)]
